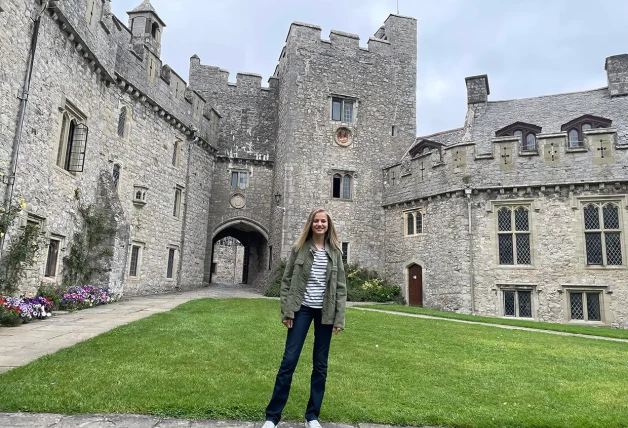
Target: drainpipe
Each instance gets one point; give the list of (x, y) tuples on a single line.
[(22, 111), (467, 191), (185, 211)]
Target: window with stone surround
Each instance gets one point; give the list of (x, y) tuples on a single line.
[(139, 195), (603, 233), (178, 192), (72, 139), (517, 301), (342, 185), (342, 109), (575, 128), (135, 260), (413, 222), (586, 303), (513, 235), (345, 252), (525, 131), (170, 268), (52, 258), (239, 179)]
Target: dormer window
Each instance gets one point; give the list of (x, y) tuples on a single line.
[(526, 133), (575, 128)]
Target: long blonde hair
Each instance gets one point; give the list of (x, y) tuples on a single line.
[(331, 237)]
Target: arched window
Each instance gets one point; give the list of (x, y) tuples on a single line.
[(574, 138), (341, 186), (410, 224), (122, 122), (337, 180), (575, 128), (154, 30), (530, 143), (525, 131), (413, 223), (346, 187)]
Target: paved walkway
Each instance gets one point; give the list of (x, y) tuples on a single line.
[(24, 420), (46, 337)]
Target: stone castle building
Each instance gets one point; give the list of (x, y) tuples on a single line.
[(521, 212)]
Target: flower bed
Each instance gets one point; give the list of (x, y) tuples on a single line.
[(18, 310)]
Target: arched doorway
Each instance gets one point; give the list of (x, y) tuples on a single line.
[(415, 285), (248, 255)]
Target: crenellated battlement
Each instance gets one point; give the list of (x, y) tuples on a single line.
[(206, 76), (441, 169), (117, 56)]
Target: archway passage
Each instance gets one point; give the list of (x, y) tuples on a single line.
[(415, 285), (248, 259)]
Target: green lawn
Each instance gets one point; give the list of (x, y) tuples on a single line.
[(567, 328), (218, 359)]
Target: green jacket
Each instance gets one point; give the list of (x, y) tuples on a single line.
[(295, 278)]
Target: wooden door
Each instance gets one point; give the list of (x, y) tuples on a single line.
[(415, 285)]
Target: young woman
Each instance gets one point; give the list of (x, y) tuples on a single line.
[(313, 288)]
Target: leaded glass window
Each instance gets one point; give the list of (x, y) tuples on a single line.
[(135, 254), (585, 306), (602, 234), (513, 230), (518, 303), (345, 252), (410, 223)]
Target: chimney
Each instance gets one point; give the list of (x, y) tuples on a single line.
[(477, 89), (617, 74)]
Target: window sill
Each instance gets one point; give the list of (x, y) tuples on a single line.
[(528, 153), (576, 150), (510, 267), (139, 203), (587, 323), (507, 317), (414, 235), (133, 278), (598, 267), (65, 172), (341, 200)]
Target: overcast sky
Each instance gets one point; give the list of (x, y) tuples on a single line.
[(527, 47)]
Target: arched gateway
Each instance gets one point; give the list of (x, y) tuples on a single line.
[(253, 237)]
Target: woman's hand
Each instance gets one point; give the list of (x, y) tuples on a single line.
[(287, 323), (337, 330)]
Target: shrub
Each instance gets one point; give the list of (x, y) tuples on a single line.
[(363, 285), (275, 285)]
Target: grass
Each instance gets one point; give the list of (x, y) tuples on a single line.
[(567, 328), (218, 359)]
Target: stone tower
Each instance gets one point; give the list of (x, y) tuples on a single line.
[(146, 28), (344, 113)]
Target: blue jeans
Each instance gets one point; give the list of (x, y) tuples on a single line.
[(294, 344)]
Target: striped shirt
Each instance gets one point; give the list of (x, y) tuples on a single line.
[(315, 290)]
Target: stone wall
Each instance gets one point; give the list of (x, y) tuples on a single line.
[(228, 260), (445, 250), (89, 69)]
